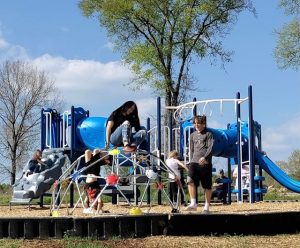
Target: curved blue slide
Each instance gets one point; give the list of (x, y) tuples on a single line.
[(278, 174)]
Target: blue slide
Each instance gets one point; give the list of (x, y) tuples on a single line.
[(278, 174), (91, 132)]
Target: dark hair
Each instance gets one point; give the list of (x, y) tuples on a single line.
[(128, 105), (200, 118), (135, 114)]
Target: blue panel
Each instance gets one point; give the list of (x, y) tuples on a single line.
[(225, 140), (91, 132)]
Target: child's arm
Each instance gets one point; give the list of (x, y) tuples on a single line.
[(182, 165)]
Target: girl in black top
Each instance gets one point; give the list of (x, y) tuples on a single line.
[(119, 128)]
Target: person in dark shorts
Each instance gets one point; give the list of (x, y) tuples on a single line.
[(200, 169)]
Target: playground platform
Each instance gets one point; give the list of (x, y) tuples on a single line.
[(263, 218)]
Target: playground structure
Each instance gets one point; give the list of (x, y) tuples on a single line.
[(34, 185), (74, 131)]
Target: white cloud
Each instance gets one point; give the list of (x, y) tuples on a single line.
[(3, 43), (147, 108), (279, 142), (10, 51), (99, 87), (84, 74)]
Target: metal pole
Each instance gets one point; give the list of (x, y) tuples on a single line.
[(239, 152), (194, 114), (72, 154), (251, 145), (159, 144), (260, 169), (148, 139), (229, 176), (171, 132), (43, 129)]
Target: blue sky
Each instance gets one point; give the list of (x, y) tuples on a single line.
[(76, 53)]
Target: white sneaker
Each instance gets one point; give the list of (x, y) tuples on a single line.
[(205, 211), (191, 207), (88, 211)]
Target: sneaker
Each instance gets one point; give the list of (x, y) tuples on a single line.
[(174, 210), (184, 204), (191, 208), (205, 211), (129, 149), (88, 211)]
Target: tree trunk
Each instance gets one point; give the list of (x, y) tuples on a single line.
[(13, 174)]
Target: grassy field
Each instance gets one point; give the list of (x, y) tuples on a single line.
[(163, 242), (274, 194)]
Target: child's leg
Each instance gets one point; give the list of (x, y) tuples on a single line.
[(99, 205), (175, 192), (86, 202), (171, 191)]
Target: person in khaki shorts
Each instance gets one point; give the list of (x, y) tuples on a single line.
[(200, 168)]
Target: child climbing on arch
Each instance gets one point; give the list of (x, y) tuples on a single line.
[(175, 177)]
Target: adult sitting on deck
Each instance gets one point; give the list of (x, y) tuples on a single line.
[(221, 187), (119, 128)]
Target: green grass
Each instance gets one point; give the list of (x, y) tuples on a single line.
[(224, 241), (6, 193)]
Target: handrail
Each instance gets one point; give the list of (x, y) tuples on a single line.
[(48, 129), (65, 135), (178, 113)]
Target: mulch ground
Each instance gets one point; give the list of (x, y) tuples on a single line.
[(161, 241), (122, 209)]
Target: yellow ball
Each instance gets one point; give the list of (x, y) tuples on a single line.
[(114, 152), (55, 213), (135, 211)]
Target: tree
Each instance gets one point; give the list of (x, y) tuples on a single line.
[(287, 51), (294, 163), (159, 39), (291, 167), (23, 92)]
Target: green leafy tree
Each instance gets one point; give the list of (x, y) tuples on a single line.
[(290, 167), (287, 51), (294, 164), (159, 39)]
